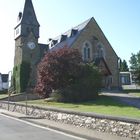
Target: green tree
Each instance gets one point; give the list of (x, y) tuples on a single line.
[(64, 72), (58, 69), (123, 66), (135, 66)]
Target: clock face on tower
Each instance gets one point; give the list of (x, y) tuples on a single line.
[(31, 45)]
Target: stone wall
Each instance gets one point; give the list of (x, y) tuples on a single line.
[(21, 97), (93, 30), (114, 125)]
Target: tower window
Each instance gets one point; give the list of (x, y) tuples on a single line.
[(17, 31)]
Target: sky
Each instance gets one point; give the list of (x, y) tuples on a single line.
[(118, 19)]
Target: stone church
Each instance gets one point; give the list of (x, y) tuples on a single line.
[(87, 37)]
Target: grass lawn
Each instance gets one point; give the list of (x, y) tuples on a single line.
[(135, 92), (3, 95), (103, 105)]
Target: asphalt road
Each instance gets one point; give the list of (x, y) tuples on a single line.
[(15, 129)]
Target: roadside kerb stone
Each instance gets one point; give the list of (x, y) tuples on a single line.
[(119, 126)]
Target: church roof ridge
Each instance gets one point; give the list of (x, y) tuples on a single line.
[(68, 33)]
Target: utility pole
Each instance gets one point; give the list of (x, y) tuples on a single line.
[(9, 86)]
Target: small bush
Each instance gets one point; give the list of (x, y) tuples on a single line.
[(85, 88)]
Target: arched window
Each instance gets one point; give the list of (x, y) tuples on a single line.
[(100, 50), (87, 52)]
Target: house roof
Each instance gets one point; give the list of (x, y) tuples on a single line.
[(67, 38), (4, 77)]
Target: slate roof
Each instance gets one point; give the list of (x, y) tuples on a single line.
[(4, 77), (29, 16), (68, 38)]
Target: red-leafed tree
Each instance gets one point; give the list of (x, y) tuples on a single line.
[(57, 70)]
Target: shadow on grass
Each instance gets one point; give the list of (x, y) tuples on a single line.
[(114, 101), (103, 100), (131, 90)]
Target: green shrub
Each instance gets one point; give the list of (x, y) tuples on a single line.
[(84, 88), (21, 74), (4, 91)]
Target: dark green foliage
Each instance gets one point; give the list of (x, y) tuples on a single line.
[(15, 80), (123, 66), (4, 91), (85, 88), (24, 75), (135, 67), (21, 74), (63, 71)]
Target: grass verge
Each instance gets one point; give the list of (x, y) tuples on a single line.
[(103, 105), (3, 95)]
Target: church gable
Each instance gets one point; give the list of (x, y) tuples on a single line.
[(96, 37), (68, 38), (97, 47)]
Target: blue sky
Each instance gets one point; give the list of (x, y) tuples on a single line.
[(118, 19)]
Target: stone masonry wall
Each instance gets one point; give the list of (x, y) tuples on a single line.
[(114, 125), (91, 30)]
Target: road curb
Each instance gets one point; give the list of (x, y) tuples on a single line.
[(27, 118), (63, 130), (68, 129)]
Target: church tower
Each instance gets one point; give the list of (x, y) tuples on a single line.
[(26, 42)]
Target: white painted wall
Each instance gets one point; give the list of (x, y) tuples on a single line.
[(0, 83), (5, 85)]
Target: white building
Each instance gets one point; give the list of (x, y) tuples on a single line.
[(0, 82), (125, 78), (3, 81)]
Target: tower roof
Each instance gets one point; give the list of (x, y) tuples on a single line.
[(29, 16)]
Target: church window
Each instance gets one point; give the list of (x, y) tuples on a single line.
[(87, 51), (17, 31), (100, 50), (86, 44)]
